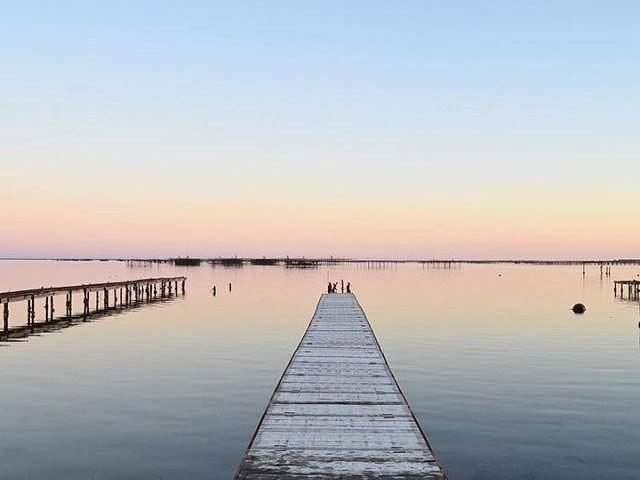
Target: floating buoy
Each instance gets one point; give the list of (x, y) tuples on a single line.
[(579, 308)]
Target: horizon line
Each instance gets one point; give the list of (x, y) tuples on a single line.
[(330, 259)]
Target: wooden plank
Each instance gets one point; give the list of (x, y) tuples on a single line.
[(337, 411)]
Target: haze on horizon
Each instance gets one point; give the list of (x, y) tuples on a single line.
[(405, 129)]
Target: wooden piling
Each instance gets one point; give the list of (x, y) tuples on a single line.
[(6, 318), (33, 313), (86, 303)]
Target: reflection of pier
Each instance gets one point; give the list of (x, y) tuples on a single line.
[(632, 286), (337, 412), (108, 297)]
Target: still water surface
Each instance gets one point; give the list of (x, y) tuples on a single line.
[(507, 382)]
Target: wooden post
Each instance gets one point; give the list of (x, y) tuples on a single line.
[(33, 313), (6, 318), (52, 309), (183, 286), (46, 310), (120, 297)]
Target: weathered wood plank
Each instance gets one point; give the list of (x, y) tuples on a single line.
[(337, 411)]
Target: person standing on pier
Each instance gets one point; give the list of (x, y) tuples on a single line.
[(348, 287)]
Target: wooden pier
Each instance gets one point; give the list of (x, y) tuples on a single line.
[(338, 411), (108, 296), (633, 289)]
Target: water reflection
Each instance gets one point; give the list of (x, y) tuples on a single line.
[(505, 379)]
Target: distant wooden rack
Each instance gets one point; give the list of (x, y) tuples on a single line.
[(633, 288)]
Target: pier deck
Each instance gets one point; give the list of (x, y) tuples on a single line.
[(337, 411)]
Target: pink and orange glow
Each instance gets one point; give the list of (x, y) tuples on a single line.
[(324, 130)]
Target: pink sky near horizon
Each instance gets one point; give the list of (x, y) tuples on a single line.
[(126, 220)]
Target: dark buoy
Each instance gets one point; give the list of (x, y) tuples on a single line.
[(579, 308)]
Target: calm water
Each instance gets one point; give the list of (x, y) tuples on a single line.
[(506, 380)]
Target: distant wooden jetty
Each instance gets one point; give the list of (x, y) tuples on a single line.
[(633, 288), (108, 296), (187, 262), (301, 263), (338, 412)]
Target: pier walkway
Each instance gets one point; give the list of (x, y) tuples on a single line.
[(337, 411)]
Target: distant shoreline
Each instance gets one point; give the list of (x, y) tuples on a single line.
[(301, 261)]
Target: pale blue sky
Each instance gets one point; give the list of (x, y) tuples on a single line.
[(407, 101)]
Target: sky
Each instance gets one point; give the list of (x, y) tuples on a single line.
[(396, 129)]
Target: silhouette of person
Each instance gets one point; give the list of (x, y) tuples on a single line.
[(348, 287)]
